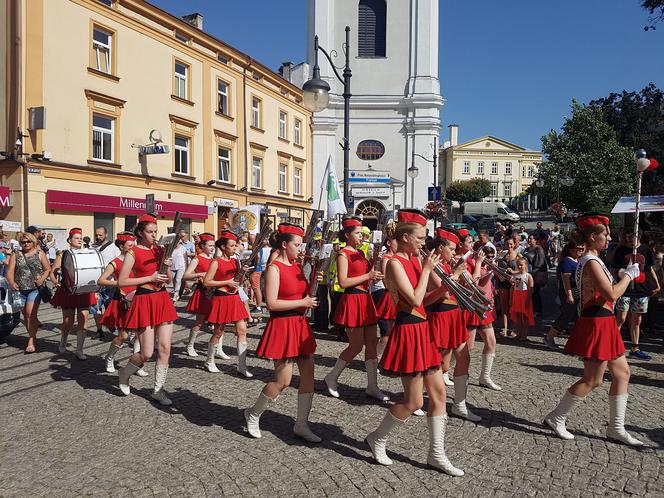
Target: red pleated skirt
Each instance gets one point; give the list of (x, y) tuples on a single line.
[(64, 299), (355, 310), (286, 337), (115, 315), (385, 308), (227, 309), (596, 338), (198, 303), (489, 319), (521, 307), (470, 319), (448, 328), (410, 350), (150, 309)]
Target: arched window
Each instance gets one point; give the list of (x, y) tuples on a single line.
[(372, 28)]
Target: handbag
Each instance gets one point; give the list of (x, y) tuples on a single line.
[(45, 293)]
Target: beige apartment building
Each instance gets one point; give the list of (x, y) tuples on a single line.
[(510, 168), (116, 99)]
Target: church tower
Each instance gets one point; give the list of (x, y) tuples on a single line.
[(395, 103)]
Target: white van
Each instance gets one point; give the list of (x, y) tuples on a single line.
[(497, 209)]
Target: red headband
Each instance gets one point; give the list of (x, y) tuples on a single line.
[(148, 218), (74, 231), (228, 235), (444, 234), (411, 217), (125, 237), (463, 232), (351, 222), (294, 229), (206, 237), (591, 219)]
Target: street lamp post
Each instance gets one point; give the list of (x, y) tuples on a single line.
[(413, 171), (316, 97), (434, 161)]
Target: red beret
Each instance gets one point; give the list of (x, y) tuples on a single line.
[(206, 237), (125, 236), (351, 222), (288, 228), (147, 218), (412, 217), (463, 232), (228, 235), (587, 220), (444, 234), (74, 231)]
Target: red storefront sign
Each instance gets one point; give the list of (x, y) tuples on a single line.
[(60, 200), (5, 197)]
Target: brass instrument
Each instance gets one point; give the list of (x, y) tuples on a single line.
[(169, 247), (501, 273)]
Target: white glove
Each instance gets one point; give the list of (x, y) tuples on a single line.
[(632, 271)]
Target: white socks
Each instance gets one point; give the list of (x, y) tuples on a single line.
[(485, 372), (372, 381), (556, 419), (332, 377), (159, 394), (242, 360), (459, 407), (209, 363), (377, 440), (616, 429), (437, 457), (301, 427), (253, 415), (446, 379)]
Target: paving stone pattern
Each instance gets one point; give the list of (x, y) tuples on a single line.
[(67, 430)]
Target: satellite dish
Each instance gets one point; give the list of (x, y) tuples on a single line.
[(155, 137)]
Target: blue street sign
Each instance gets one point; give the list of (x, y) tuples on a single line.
[(435, 193)]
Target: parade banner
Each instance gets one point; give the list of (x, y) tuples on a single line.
[(59, 200)]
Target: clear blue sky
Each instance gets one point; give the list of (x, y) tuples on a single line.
[(507, 68)]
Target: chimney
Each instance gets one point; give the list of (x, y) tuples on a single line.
[(195, 19), (454, 134), (285, 70)]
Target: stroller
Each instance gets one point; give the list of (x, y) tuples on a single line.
[(10, 311)]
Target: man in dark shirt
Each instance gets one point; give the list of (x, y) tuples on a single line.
[(634, 302)]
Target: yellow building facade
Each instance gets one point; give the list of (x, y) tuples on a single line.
[(116, 99), (510, 168)]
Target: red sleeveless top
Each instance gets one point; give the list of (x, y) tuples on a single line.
[(117, 265), (202, 264), (292, 283), (146, 261), (226, 268), (357, 265), (413, 270)]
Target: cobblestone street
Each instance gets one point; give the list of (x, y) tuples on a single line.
[(67, 430)]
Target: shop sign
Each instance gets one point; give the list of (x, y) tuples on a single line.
[(369, 176), (5, 197), (59, 200), (371, 192), (220, 202), (10, 226)]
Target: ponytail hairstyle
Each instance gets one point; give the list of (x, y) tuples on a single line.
[(388, 233), (285, 233), (349, 224)]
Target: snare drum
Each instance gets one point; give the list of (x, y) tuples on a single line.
[(81, 268)]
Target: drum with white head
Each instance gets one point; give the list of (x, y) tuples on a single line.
[(81, 268)]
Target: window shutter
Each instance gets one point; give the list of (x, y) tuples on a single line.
[(372, 20)]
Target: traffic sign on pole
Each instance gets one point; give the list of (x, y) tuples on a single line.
[(435, 193)]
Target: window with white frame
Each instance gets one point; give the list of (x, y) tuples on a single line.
[(255, 112), (102, 138), (466, 167), (222, 98), (181, 71), (494, 189), (181, 155), (297, 181), (101, 45), (297, 135), (507, 189), (256, 172), (480, 168), (508, 168), (523, 170), (283, 125), (494, 168), (224, 159), (283, 178), (531, 171)]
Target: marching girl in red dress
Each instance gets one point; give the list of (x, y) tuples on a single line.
[(199, 303), (521, 299), (595, 337), (287, 337), (411, 352), (115, 316), (448, 325), (72, 304), (356, 310), (471, 320), (226, 306), (151, 311), (385, 309)]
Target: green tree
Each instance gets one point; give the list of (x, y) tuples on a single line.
[(587, 150), (656, 9), (472, 190)]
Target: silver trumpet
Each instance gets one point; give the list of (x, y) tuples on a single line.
[(500, 272), (464, 296)]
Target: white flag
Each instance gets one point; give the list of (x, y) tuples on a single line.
[(335, 200)]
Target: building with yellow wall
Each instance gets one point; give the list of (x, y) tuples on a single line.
[(91, 81), (510, 168)]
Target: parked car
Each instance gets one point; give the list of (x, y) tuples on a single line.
[(469, 219), (487, 223), (498, 209), (457, 226)]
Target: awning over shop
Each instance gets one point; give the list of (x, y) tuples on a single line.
[(60, 200)]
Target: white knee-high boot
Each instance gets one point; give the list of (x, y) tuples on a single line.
[(191, 351), (301, 427), (124, 375), (209, 363), (485, 372), (253, 415), (556, 418), (616, 429), (80, 340), (437, 457), (110, 357), (459, 407), (220, 349), (377, 440), (137, 349), (159, 395), (332, 377), (242, 360), (372, 390)]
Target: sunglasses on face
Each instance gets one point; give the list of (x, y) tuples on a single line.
[(26, 242)]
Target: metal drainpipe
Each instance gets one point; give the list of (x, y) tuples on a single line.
[(246, 141)]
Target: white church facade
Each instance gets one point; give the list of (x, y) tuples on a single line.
[(395, 103)]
